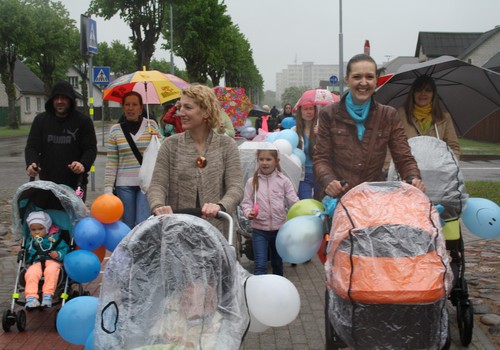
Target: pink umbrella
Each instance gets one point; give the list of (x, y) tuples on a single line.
[(321, 97)]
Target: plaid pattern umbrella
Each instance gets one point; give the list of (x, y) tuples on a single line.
[(235, 103)]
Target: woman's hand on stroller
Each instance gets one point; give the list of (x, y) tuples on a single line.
[(418, 183), (210, 210), (336, 188), (165, 209)]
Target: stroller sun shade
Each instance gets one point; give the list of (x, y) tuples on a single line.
[(173, 281)]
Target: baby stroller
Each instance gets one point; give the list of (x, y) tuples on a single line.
[(65, 209), (387, 271), (173, 282), (445, 186)]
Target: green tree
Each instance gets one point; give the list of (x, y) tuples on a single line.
[(52, 53), (118, 57), (144, 17), (13, 39), (292, 94), (198, 27), (163, 66)]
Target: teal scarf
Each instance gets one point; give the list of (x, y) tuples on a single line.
[(358, 113)]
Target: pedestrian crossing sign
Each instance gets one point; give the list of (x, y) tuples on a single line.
[(101, 75)]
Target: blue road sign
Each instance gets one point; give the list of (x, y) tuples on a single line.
[(334, 79), (101, 75), (92, 37)]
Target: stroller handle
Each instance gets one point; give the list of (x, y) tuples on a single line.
[(221, 215)]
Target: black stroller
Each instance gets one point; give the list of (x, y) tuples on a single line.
[(65, 209), (445, 185), (173, 282)]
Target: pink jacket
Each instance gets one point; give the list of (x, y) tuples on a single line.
[(274, 196)]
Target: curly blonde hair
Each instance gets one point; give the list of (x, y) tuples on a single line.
[(205, 98)]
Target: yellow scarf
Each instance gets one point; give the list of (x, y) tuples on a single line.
[(423, 116)]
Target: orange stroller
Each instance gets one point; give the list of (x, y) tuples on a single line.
[(387, 271)]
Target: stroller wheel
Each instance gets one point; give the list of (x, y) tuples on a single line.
[(8, 319), (332, 340), (21, 320), (465, 321)]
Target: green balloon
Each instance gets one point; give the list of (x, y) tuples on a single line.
[(305, 207)]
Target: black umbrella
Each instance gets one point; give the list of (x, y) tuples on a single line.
[(470, 93), (257, 111)]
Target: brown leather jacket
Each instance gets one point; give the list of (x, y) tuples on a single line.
[(339, 155)]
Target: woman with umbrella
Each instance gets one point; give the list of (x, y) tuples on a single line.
[(197, 168), (422, 114), (127, 142), (354, 135)]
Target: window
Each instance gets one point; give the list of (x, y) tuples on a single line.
[(27, 105), (74, 82), (38, 104)]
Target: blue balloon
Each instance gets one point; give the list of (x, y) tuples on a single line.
[(288, 122), (114, 234), (271, 137), (82, 266), (248, 132), (75, 321), (89, 344), (89, 234), (482, 217), (299, 239), (301, 154), (289, 135)]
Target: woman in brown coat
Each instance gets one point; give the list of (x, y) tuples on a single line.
[(354, 135)]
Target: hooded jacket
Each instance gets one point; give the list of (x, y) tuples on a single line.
[(274, 196), (55, 142), (339, 155)]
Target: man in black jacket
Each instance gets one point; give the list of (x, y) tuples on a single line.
[(62, 144)]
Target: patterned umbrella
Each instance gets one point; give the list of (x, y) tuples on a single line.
[(154, 86), (235, 103)]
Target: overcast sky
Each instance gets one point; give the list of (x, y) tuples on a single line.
[(283, 32)]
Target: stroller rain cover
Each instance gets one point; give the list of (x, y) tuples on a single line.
[(387, 269), (172, 283)]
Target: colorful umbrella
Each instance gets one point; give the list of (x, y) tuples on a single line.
[(235, 103), (154, 86), (181, 84), (316, 97)]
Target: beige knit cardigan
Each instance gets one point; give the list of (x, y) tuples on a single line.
[(177, 180)]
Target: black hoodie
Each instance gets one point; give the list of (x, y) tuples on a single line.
[(55, 142)]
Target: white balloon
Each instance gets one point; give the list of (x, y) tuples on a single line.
[(273, 300), (256, 326), (296, 159), (284, 146)]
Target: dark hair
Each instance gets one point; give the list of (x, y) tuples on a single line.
[(132, 93), (255, 180), (359, 58), (300, 128), (420, 84)]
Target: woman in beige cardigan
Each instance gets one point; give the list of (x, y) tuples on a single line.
[(422, 114), (197, 168)]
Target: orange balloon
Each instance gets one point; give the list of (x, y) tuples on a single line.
[(107, 208), (100, 252)]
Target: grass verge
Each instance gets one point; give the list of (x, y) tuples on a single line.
[(484, 189)]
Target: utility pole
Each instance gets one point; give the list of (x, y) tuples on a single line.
[(171, 38), (341, 52)]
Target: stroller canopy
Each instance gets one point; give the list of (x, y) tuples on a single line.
[(36, 195), (440, 172), (172, 281)]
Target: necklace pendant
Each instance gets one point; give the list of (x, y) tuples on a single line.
[(201, 162)]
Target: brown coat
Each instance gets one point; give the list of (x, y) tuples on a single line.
[(445, 129), (339, 155)]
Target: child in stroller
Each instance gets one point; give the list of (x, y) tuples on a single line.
[(46, 251), (65, 208), (172, 283)]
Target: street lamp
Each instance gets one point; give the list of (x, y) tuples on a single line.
[(171, 38), (341, 53)]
